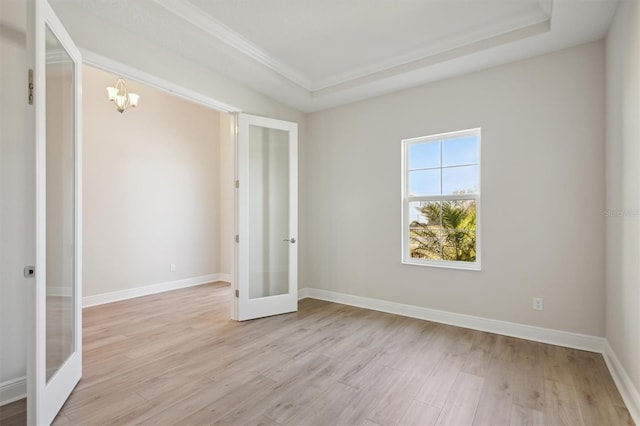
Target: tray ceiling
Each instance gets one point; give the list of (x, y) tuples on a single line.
[(314, 54)]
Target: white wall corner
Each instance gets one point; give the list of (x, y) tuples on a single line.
[(224, 277), (13, 390), (115, 296), (522, 331), (303, 293), (628, 391)]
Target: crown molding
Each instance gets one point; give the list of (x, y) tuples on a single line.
[(216, 48), (447, 55), (201, 20), (498, 33), (518, 28)]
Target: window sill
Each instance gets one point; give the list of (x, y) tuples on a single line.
[(476, 266)]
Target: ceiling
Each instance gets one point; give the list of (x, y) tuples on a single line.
[(315, 54)]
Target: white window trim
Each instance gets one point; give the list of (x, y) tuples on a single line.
[(452, 264)]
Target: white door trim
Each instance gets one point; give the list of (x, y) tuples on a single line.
[(106, 64)]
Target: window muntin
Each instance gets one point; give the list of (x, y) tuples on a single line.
[(441, 200)]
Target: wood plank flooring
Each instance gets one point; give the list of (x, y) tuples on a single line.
[(176, 358)]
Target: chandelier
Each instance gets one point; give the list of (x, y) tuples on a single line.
[(121, 97)]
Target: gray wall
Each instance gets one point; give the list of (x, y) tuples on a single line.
[(227, 193), (543, 192), (17, 183), (623, 188)]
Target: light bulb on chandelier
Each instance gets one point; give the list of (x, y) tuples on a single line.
[(121, 97)]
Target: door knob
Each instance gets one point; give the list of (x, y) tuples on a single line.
[(292, 240)]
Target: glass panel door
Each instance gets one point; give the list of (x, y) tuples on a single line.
[(267, 217), (55, 340)]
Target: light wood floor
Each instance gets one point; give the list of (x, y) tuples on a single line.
[(176, 358)]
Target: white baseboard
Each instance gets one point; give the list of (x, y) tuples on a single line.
[(522, 331), (13, 390), (628, 391), (303, 293), (115, 296), (225, 277)]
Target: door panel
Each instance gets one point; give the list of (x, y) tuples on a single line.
[(268, 212), (60, 205), (55, 341), (267, 217)]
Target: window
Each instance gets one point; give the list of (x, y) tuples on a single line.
[(441, 200)]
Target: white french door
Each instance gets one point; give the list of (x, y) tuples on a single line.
[(266, 278), (54, 364)]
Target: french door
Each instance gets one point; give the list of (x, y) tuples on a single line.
[(266, 281), (54, 355)]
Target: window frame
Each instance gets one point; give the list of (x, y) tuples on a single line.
[(406, 200)]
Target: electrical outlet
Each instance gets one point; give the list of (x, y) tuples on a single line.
[(538, 303), (172, 267)]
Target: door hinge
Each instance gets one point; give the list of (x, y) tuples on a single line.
[(237, 293), (237, 238), (237, 184), (30, 86)]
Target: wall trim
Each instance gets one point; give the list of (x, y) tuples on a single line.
[(130, 293), (628, 391), (207, 23), (303, 293), (16, 389), (510, 29), (118, 68), (13, 390), (225, 277), (522, 331)]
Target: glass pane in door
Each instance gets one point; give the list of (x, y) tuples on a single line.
[(60, 205), (268, 212)]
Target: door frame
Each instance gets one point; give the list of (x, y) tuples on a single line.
[(135, 74)]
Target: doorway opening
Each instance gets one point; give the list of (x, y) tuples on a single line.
[(158, 192)]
